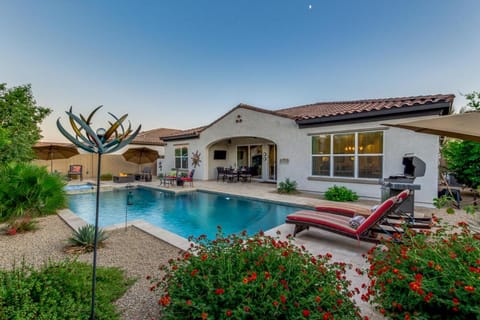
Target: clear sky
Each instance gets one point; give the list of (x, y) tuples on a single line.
[(183, 64)]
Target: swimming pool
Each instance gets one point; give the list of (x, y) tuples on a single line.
[(79, 187), (188, 214)]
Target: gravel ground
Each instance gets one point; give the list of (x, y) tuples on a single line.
[(136, 252)]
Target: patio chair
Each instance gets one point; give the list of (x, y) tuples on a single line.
[(230, 175), (146, 174), (341, 220), (189, 178), (245, 175), (75, 170), (220, 173)]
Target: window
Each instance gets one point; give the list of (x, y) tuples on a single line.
[(353, 155), (181, 157)]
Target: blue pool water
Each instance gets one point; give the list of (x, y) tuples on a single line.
[(189, 214), (78, 187)]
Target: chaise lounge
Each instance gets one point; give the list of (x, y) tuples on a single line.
[(341, 219)]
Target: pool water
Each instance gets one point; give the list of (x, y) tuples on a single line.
[(188, 214), (78, 187)]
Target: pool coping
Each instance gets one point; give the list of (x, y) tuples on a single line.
[(75, 222)]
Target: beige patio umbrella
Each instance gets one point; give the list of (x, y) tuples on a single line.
[(140, 155), (53, 151), (465, 126)]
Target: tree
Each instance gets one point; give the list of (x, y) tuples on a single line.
[(463, 157), (20, 118)]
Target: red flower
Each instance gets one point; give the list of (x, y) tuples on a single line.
[(428, 297), (194, 272), (164, 301), (283, 299), (189, 302), (318, 299), (204, 257), (246, 309), (204, 315), (275, 303), (219, 291), (469, 288), (228, 313), (267, 275), (306, 313), (245, 280)]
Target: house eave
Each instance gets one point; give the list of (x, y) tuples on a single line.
[(442, 108)]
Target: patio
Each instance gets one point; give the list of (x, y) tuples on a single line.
[(316, 241)]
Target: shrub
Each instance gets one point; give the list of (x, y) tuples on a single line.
[(84, 237), (106, 177), (342, 194), (242, 277), (29, 189), (21, 225), (428, 275), (287, 186), (60, 290)]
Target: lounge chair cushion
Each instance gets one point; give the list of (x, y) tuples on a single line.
[(356, 221), (328, 220)]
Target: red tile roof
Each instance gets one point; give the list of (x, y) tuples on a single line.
[(331, 109), (154, 137)]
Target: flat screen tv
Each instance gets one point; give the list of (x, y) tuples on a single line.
[(219, 154)]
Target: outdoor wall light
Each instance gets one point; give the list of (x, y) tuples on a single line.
[(100, 141)]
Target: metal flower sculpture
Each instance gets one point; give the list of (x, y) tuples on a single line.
[(100, 141), (196, 159)]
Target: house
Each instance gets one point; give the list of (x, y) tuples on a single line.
[(317, 145)]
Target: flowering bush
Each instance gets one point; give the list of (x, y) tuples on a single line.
[(428, 275), (241, 277)]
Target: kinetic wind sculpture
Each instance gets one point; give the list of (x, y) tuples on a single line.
[(100, 141)]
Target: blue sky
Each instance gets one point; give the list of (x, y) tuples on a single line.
[(183, 64)]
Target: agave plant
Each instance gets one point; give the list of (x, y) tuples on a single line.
[(84, 237)]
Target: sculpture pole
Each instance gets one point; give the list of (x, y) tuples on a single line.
[(99, 142)]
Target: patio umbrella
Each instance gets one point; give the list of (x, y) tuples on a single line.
[(140, 155), (463, 126), (53, 151)]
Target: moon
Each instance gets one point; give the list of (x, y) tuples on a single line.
[(309, 7)]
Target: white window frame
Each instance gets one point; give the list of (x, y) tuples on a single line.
[(175, 157), (356, 155)]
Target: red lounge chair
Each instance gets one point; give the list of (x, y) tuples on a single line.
[(338, 219)]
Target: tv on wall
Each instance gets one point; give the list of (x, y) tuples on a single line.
[(219, 154)]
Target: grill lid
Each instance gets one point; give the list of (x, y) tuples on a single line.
[(413, 166)]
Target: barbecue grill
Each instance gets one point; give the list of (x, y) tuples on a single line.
[(413, 167)]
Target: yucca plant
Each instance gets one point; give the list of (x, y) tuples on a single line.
[(84, 238)]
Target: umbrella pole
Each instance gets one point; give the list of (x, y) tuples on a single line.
[(51, 160)]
